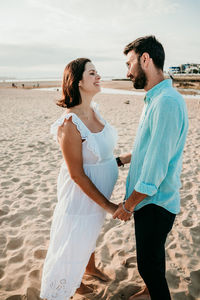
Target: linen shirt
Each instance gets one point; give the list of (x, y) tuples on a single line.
[(158, 148)]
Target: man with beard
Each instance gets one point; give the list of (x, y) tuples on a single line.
[(153, 182)]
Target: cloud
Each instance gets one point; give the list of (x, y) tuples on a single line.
[(50, 33)]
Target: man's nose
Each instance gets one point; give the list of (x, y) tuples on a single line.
[(128, 74)]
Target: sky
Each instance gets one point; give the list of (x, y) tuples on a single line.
[(39, 37)]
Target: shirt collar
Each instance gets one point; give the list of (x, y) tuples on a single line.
[(154, 91)]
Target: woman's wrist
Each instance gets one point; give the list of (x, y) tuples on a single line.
[(111, 207)]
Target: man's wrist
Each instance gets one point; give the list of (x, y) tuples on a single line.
[(134, 199), (129, 204), (125, 209)]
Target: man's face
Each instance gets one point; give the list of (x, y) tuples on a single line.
[(135, 71)]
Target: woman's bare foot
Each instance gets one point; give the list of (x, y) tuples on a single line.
[(97, 273), (141, 295), (92, 270), (84, 289)]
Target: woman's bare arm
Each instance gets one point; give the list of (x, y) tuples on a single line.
[(71, 147)]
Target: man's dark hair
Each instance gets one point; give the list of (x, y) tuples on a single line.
[(150, 45)]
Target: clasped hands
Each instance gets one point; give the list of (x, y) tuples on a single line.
[(121, 214)]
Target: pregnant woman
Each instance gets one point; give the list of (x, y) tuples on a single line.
[(85, 184)]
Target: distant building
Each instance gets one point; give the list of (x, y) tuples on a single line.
[(174, 70), (185, 69)]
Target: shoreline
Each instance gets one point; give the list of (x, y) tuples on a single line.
[(183, 85)]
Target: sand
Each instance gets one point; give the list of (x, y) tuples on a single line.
[(29, 165)]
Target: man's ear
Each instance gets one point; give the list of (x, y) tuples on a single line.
[(145, 59)]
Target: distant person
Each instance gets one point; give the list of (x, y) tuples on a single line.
[(85, 183), (153, 182)]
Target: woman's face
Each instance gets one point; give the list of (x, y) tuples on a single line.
[(90, 82)]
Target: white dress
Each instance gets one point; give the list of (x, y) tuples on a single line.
[(77, 220)]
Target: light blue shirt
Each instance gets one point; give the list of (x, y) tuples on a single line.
[(157, 152)]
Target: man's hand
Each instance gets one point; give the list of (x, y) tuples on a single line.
[(121, 214)]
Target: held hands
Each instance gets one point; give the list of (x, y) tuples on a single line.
[(121, 214)]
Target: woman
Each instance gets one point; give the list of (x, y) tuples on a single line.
[(85, 184)]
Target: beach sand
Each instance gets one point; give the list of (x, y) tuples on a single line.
[(29, 165)]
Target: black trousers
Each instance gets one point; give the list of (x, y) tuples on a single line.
[(152, 224)]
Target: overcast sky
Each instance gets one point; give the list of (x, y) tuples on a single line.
[(39, 37)]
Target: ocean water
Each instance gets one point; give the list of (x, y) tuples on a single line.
[(103, 90), (106, 78), (118, 92)]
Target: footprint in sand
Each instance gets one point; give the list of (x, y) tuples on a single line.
[(195, 234), (15, 179), (28, 191), (194, 286), (198, 253), (17, 258), (15, 297), (34, 274), (1, 273), (3, 212), (173, 246), (173, 280), (187, 223), (17, 221), (130, 262), (25, 183), (5, 184), (15, 243), (120, 274), (40, 253), (188, 185), (186, 200), (198, 197)]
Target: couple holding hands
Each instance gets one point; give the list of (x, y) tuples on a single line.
[(89, 172)]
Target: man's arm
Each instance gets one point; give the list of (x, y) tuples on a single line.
[(165, 128)]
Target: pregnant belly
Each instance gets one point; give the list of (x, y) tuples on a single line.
[(104, 175), (72, 200)]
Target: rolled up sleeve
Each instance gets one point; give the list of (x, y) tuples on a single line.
[(165, 125)]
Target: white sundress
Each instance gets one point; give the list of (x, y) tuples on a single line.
[(77, 219)]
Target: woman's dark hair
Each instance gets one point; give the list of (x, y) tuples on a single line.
[(70, 86), (150, 45)]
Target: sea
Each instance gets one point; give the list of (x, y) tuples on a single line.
[(103, 90)]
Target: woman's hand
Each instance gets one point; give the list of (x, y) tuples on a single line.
[(125, 158)]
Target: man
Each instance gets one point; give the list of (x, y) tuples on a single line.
[(153, 182)]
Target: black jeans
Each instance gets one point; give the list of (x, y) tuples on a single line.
[(152, 224)]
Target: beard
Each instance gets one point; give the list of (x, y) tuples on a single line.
[(141, 79)]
